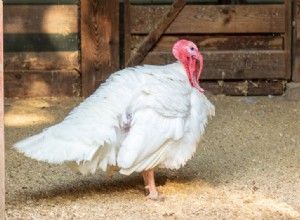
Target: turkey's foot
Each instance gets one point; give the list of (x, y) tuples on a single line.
[(151, 194), (150, 185)]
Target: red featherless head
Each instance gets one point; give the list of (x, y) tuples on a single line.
[(188, 54)]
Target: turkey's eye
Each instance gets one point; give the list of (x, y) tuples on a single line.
[(192, 50)]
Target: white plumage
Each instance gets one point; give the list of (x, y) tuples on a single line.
[(140, 118)]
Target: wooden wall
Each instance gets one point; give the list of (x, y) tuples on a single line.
[(247, 48), (296, 74), (2, 145), (244, 46), (41, 44)]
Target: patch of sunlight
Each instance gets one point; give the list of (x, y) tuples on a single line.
[(262, 202), (38, 103), (281, 207), (22, 120)]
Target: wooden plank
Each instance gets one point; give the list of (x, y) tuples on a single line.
[(40, 42), (41, 83), (47, 19), (2, 145), (154, 35), (288, 38), (39, 2), (213, 19), (42, 61), (250, 64), (151, 2), (127, 31), (296, 74), (166, 2), (212, 42), (244, 87), (99, 42)]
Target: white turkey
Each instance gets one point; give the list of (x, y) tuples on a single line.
[(141, 118)]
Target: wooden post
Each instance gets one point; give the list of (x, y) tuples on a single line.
[(156, 33), (99, 42), (127, 31), (288, 38), (2, 147), (296, 43)]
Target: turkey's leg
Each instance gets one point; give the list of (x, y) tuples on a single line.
[(150, 184)]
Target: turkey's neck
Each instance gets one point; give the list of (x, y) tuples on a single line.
[(193, 74)]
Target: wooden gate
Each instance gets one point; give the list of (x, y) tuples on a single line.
[(246, 48)]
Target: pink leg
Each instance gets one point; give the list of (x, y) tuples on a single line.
[(150, 184)]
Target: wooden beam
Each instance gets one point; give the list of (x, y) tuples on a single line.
[(99, 42), (244, 64), (212, 19), (60, 60), (20, 83), (156, 33), (41, 42), (296, 73), (127, 31), (47, 19), (244, 87), (288, 38), (2, 146), (39, 2), (213, 42)]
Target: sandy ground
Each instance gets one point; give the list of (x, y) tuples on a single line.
[(248, 167)]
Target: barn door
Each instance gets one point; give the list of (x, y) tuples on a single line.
[(246, 47)]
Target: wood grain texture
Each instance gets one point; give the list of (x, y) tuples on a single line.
[(2, 145), (212, 19), (39, 2), (50, 19), (296, 74), (99, 42), (212, 42), (244, 87), (288, 38), (41, 83), (221, 65), (157, 31), (127, 31), (40, 42), (41, 61)]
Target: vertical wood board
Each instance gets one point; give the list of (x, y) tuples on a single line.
[(127, 31), (99, 42), (2, 146), (296, 74), (288, 38)]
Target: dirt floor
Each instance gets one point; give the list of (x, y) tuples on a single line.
[(248, 167)]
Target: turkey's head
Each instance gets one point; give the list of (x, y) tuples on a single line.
[(188, 54)]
